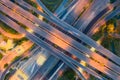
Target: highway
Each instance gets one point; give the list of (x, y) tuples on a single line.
[(20, 29), (80, 36), (96, 7), (81, 48), (21, 2), (38, 41)]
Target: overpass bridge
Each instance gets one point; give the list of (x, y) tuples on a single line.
[(62, 39)]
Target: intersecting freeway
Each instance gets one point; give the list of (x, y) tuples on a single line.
[(47, 36)]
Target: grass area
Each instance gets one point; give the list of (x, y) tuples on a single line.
[(110, 42), (118, 27), (117, 46), (97, 35), (1, 56), (69, 1), (18, 42), (112, 1), (10, 73), (106, 42), (31, 3), (52, 4), (69, 74), (92, 78), (7, 76), (7, 28), (16, 58), (6, 65)]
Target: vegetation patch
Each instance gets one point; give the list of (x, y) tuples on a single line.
[(69, 74)]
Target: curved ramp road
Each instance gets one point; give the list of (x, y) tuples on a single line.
[(96, 7), (12, 36), (105, 19)]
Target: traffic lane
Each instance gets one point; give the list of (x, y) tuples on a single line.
[(68, 63), (20, 1)]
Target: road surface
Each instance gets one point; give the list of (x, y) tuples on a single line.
[(37, 40), (9, 35)]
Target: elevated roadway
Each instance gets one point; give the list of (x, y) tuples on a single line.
[(32, 25), (50, 48)]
